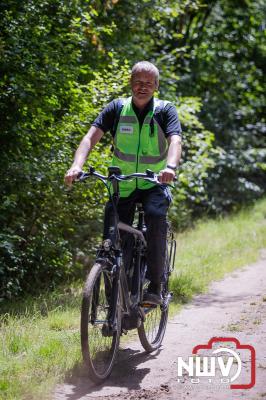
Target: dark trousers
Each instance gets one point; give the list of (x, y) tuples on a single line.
[(155, 202)]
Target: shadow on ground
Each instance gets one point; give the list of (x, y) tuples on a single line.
[(126, 375)]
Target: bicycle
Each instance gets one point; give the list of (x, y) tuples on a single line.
[(112, 301)]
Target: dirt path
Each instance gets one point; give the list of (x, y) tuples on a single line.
[(233, 307)]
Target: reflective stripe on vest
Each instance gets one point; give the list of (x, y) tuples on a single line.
[(135, 149)]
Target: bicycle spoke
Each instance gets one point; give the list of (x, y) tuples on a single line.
[(152, 323)]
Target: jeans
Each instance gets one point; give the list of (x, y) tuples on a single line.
[(155, 202)]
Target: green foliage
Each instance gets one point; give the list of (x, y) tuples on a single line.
[(50, 95), (198, 153), (52, 225), (225, 68)]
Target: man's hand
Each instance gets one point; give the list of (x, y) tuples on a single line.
[(167, 175), (72, 174)]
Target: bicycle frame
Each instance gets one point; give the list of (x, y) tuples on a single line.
[(129, 300)]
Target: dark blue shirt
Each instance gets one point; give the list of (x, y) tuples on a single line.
[(165, 115)]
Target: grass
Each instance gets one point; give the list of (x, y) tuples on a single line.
[(216, 247), (38, 346), (39, 338)]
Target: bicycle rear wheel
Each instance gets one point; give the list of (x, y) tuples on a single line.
[(151, 331), (99, 343)]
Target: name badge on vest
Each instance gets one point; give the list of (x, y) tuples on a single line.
[(126, 129)]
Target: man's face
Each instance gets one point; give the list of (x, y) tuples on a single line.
[(143, 86)]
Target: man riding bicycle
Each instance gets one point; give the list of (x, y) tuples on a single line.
[(147, 135)]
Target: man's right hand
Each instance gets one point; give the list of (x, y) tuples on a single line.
[(71, 175)]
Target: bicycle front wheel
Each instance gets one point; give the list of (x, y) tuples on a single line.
[(99, 341)]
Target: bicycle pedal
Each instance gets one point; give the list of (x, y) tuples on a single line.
[(148, 305)]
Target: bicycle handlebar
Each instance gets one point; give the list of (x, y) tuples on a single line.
[(148, 176)]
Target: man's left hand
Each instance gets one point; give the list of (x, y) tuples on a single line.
[(167, 175)]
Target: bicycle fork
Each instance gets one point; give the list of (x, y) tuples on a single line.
[(111, 325)]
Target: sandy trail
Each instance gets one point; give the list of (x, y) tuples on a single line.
[(233, 307)]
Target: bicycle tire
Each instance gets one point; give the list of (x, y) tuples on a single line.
[(152, 330), (98, 350)]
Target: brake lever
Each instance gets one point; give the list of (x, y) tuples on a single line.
[(155, 179), (152, 177)]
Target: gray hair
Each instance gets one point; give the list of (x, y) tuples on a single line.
[(147, 67)]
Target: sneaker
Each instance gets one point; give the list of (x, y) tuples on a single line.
[(153, 295)]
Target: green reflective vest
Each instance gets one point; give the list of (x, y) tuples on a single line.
[(137, 149)]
